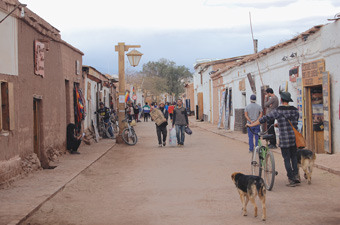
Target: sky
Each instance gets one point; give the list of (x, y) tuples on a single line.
[(182, 31)]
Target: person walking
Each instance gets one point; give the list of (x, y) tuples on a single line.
[(252, 113), (146, 111), (171, 110), (162, 128), (136, 112), (140, 112), (271, 102), (285, 114), (180, 119)]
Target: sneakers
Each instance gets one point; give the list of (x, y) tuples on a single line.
[(160, 145), (291, 183), (164, 143)]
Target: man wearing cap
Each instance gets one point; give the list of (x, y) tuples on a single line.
[(287, 144), (253, 112), (271, 102)]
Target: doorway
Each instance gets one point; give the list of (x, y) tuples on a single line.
[(37, 127), (315, 118), (67, 95)]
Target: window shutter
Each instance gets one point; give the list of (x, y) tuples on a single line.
[(11, 106)]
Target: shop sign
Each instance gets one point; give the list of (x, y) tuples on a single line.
[(39, 58), (312, 72)]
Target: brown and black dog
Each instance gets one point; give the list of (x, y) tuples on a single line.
[(306, 160), (249, 187)]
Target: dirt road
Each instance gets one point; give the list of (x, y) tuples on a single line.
[(146, 184)]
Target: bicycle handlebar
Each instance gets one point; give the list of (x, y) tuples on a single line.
[(260, 134)]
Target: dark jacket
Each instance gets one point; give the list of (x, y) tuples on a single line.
[(282, 114), (180, 116)]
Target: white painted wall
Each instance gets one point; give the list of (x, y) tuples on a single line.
[(275, 72), (91, 105), (8, 45)]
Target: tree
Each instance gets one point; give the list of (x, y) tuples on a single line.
[(166, 76)]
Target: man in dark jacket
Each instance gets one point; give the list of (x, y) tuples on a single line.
[(271, 103), (180, 119), (283, 114), (162, 129), (104, 112)]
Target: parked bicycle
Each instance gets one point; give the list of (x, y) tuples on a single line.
[(104, 128), (129, 135), (262, 160), (114, 122)]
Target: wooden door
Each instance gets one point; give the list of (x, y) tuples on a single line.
[(200, 105), (36, 127)]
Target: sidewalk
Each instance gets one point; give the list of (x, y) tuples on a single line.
[(27, 195), (330, 163)]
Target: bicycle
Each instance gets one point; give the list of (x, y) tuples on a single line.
[(128, 134), (114, 122), (104, 128), (262, 159)]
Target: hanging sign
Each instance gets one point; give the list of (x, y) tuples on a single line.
[(312, 72), (121, 98)]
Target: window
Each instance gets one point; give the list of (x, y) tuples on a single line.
[(7, 106)]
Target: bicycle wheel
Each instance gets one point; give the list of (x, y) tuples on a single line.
[(269, 171), (107, 133), (256, 162), (130, 138)]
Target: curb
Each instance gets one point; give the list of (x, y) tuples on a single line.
[(328, 169), (17, 222)]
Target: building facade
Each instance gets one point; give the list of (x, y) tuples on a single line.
[(37, 76)]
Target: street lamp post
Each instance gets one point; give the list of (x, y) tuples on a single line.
[(134, 57)]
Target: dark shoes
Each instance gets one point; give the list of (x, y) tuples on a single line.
[(293, 183), (164, 143), (75, 152)]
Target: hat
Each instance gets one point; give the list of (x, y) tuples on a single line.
[(253, 98), (285, 96)]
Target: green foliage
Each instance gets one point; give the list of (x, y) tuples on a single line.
[(165, 76)]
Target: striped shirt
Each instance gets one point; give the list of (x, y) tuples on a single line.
[(282, 114)]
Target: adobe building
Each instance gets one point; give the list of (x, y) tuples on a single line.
[(209, 87), (99, 88), (39, 74)]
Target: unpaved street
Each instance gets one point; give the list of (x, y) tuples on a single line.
[(145, 184)]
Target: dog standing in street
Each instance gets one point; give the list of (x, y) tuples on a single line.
[(306, 160), (249, 187)]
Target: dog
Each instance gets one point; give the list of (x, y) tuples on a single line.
[(306, 160), (249, 187)]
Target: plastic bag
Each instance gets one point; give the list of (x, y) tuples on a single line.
[(172, 137)]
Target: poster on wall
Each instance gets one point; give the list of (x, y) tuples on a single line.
[(299, 103), (293, 74), (39, 58), (327, 112), (317, 109)]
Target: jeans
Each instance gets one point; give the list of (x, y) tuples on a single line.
[(161, 130), (256, 130), (110, 127), (290, 159), (180, 134)]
